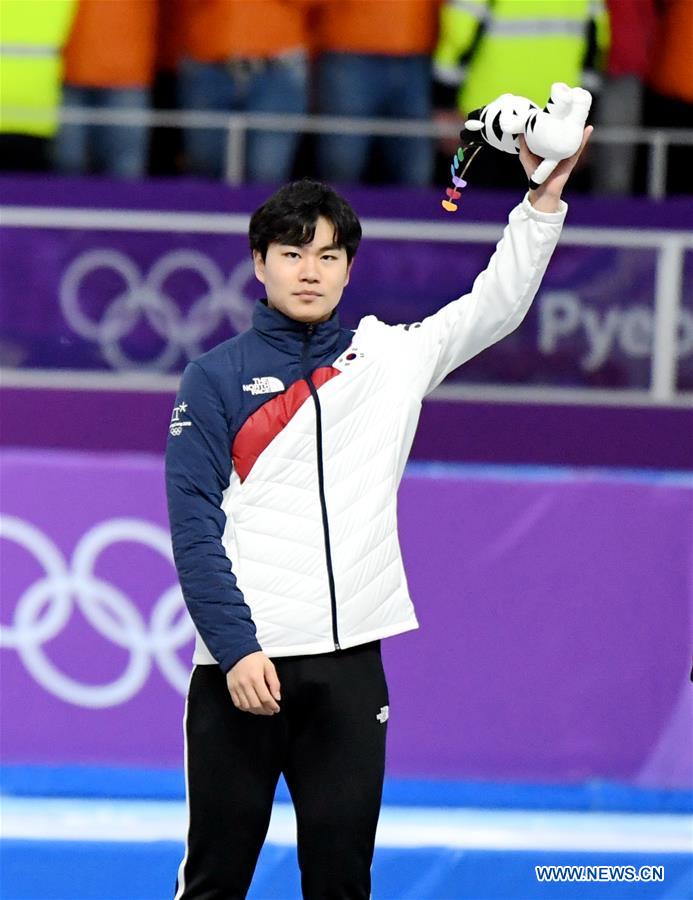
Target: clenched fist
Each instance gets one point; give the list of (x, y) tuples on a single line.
[(254, 685)]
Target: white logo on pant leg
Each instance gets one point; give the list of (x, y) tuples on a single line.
[(383, 715), (177, 424), (267, 385)]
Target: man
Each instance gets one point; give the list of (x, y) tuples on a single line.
[(490, 47), (286, 450), (375, 64), (31, 37), (109, 64), (243, 56)]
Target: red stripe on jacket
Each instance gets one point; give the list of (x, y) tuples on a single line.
[(259, 430)]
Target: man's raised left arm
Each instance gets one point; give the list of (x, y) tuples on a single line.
[(503, 293)]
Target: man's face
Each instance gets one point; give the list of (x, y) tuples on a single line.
[(305, 283)]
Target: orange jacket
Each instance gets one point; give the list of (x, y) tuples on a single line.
[(389, 27), (216, 30), (672, 69), (112, 44)]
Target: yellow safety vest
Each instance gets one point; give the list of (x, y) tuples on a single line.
[(493, 47), (32, 33)]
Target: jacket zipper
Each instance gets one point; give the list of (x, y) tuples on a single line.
[(321, 483)]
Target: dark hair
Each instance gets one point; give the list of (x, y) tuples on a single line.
[(291, 214)]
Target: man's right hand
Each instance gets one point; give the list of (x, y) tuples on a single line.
[(254, 685)]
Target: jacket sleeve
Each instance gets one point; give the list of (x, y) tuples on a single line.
[(498, 302), (198, 469)]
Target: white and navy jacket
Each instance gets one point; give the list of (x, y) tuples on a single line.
[(285, 452)]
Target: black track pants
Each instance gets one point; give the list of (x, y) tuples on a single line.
[(329, 741)]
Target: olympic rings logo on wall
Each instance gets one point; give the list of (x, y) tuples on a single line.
[(45, 607), (147, 299)]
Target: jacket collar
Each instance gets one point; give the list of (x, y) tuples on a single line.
[(290, 336)]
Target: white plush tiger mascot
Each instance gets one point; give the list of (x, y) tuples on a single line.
[(554, 133)]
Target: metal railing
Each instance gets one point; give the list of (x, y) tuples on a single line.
[(670, 247), (236, 126)]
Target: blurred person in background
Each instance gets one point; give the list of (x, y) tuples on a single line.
[(32, 34), (633, 27), (109, 65), (492, 47), (244, 56), (166, 143), (375, 61), (669, 98)]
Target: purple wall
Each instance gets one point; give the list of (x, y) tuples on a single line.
[(555, 613), (607, 288), (113, 297), (631, 437), (556, 610)]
